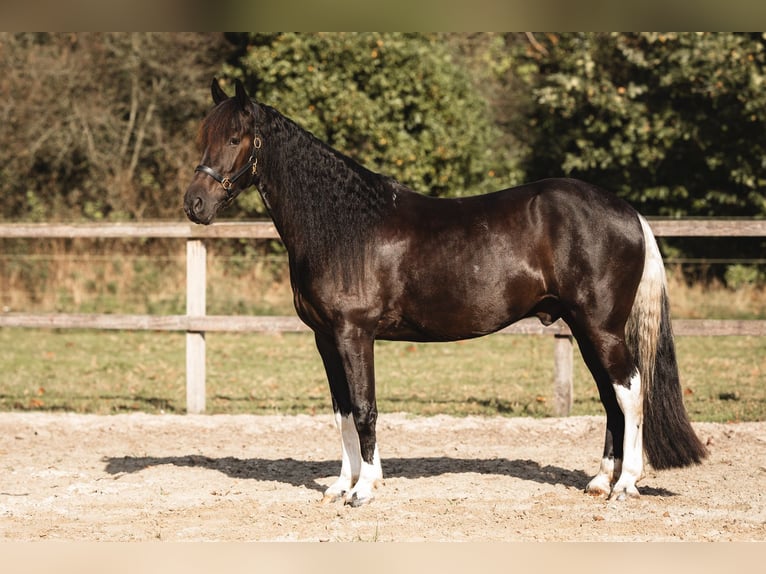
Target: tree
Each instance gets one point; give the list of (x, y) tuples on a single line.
[(100, 125), (397, 103), (672, 122)]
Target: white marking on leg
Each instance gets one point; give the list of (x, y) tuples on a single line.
[(631, 403), (369, 477), (601, 484), (351, 465)]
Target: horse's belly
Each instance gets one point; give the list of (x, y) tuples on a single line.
[(448, 320), (433, 331)]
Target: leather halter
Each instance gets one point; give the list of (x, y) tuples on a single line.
[(228, 182)]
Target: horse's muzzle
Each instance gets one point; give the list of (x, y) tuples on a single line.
[(198, 207)]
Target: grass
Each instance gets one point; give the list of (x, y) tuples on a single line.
[(91, 371), (109, 372)]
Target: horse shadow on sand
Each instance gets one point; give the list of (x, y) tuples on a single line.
[(306, 473)]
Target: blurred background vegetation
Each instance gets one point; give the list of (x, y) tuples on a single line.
[(102, 126)]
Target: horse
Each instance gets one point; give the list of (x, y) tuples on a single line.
[(371, 259)]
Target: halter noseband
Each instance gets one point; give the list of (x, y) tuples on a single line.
[(228, 182)]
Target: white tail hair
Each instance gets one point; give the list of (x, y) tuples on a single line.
[(643, 328)]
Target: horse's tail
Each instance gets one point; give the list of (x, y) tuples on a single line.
[(669, 440)]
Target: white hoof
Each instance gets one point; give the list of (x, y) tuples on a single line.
[(361, 494), (608, 473), (625, 487), (355, 501), (624, 490), (620, 494), (337, 490), (599, 486)]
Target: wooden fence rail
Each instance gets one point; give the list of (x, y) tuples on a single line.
[(196, 322)]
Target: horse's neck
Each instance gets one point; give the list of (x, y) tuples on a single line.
[(285, 174), (321, 202)]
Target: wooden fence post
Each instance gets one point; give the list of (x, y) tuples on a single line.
[(196, 286), (563, 375)]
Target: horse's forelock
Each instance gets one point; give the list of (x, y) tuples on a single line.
[(223, 120)]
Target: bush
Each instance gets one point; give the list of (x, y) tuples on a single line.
[(738, 276)]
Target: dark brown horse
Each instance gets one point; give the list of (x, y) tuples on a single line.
[(371, 259)]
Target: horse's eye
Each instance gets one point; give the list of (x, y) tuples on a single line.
[(234, 141)]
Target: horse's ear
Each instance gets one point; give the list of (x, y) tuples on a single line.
[(241, 94), (218, 94)]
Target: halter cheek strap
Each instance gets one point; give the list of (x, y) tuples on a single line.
[(228, 182)]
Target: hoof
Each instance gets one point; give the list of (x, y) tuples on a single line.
[(596, 492), (624, 494), (599, 486), (355, 501), (337, 491), (330, 498)]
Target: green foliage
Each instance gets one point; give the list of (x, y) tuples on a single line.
[(738, 276), (100, 125), (398, 103), (672, 122)]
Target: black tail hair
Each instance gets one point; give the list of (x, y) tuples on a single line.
[(669, 440)]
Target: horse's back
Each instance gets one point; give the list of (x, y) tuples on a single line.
[(520, 221), (556, 196)]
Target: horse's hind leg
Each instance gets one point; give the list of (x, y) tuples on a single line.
[(619, 385), (611, 460), (630, 398)]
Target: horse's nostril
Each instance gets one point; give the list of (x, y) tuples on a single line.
[(197, 205)]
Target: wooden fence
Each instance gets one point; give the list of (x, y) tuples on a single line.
[(196, 322)]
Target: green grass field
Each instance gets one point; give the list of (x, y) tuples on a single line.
[(109, 372)]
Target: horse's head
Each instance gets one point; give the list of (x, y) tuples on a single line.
[(230, 147)]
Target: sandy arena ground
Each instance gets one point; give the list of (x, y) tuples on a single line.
[(144, 477)]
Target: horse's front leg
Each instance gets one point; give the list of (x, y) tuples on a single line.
[(348, 361), (351, 457), (355, 347)]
